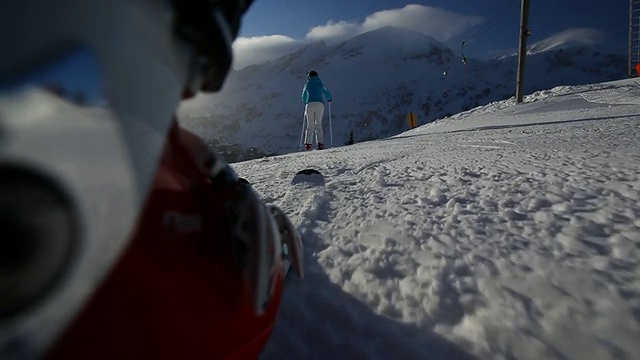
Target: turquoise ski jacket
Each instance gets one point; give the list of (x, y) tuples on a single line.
[(314, 90)]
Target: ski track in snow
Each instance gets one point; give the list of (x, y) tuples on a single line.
[(505, 232)]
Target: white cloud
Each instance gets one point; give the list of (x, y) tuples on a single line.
[(335, 31), (260, 49), (570, 37), (441, 24)]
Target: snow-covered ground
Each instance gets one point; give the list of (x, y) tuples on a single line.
[(505, 232)]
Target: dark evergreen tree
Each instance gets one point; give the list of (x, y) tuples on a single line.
[(351, 140)]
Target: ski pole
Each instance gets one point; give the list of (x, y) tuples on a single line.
[(330, 124), (304, 118)]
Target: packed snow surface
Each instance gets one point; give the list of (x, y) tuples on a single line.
[(504, 232)]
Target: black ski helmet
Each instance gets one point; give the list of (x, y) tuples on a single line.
[(210, 27), (312, 73)]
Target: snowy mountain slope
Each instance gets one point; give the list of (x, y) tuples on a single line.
[(376, 78), (508, 231), (578, 37)]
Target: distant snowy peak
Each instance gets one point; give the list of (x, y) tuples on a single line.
[(394, 44), (395, 35), (405, 42), (570, 39)]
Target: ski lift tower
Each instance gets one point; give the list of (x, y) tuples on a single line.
[(634, 36)]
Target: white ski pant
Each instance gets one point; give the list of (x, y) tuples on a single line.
[(313, 112)]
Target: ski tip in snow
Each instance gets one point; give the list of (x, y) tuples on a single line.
[(308, 177), (244, 181)]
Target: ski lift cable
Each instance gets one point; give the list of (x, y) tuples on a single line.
[(492, 22), (495, 23), (485, 28)]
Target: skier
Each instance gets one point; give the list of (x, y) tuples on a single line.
[(124, 236), (313, 95)]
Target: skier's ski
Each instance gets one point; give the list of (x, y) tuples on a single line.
[(310, 177), (292, 247), (304, 185)]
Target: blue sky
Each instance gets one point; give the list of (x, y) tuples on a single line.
[(275, 26)]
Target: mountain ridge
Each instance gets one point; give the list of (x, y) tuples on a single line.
[(376, 79)]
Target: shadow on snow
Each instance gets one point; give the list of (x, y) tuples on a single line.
[(319, 320)]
